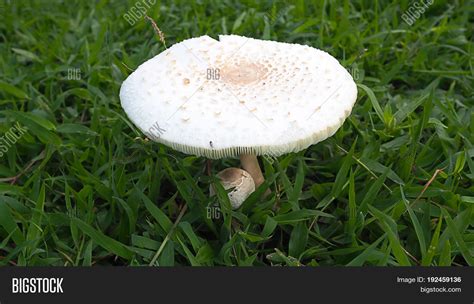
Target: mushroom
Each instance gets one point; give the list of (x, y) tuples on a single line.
[(239, 96), (239, 181)]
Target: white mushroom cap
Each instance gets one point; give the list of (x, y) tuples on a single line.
[(239, 181), (239, 95)]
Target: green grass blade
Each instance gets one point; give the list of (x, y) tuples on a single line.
[(428, 258), (416, 224), (362, 258), (373, 101), (456, 234), (298, 239), (7, 221), (373, 191), (103, 240), (389, 225)]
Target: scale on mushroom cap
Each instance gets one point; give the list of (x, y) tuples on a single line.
[(263, 98)]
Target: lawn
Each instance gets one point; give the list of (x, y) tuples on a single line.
[(81, 185)]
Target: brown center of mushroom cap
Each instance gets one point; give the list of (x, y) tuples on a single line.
[(231, 174), (243, 72)]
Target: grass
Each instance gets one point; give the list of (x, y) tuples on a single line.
[(394, 186)]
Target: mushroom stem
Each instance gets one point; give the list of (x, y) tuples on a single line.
[(250, 164)]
